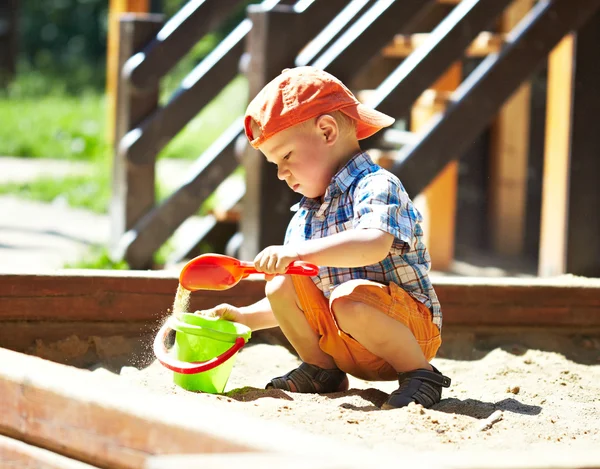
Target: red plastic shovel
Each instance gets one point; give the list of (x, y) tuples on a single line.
[(219, 272)]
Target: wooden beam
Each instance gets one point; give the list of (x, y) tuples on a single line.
[(481, 94), (133, 192), (267, 201), (437, 52), (583, 245), (105, 421), (137, 297), (115, 10), (368, 35), (183, 30), (554, 219), (154, 228), (16, 454), (200, 87), (403, 45), (571, 195), (437, 202), (509, 157)]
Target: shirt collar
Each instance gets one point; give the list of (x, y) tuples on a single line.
[(340, 183)]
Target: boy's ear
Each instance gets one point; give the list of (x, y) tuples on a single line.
[(327, 126)]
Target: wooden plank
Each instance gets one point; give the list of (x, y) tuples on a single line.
[(348, 15), (73, 295), (442, 47), (144, 142), (267, 201), (139, 244), (367, 36), (509, 159), (113, 69), (554, 219), (130, 296), (104, 421), (476, 101), (583, 239), (133, 184), (405, 44), (183, 30), (437, 202), (16, 454)]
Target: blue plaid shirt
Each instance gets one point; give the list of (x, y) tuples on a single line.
[(364, 195)]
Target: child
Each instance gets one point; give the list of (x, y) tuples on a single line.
[(372, 311)]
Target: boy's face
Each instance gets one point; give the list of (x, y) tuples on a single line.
[(303, 157)]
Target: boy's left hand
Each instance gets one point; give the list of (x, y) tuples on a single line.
[(275, 260)]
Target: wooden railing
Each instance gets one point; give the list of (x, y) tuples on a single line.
[(348, 39)]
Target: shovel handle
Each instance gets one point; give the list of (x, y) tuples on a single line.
[(302, 268), (190, 368), (295, 268)]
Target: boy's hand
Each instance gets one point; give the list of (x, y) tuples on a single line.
[(223, 311), (275, 260)]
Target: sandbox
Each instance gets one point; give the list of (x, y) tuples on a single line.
[(523, 354)]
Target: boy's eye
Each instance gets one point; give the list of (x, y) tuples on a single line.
[(287, 157)]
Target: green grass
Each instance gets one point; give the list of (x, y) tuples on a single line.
[(54, 126), (59, 125)]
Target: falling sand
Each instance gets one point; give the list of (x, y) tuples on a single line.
[(182, 301)]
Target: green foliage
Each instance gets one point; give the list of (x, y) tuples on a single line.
[(53, 125), (65, 38), (97, 258)]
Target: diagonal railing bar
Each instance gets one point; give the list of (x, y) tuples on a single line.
[(176, 38), (444, 45), (332, 31), (198, 88), (368, 35), (213, 166), (475, 102), (156, 226)]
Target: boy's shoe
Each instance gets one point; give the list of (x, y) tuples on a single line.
[(311, 379), (420, 386)]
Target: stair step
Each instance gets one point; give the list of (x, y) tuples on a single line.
[(403, 45)]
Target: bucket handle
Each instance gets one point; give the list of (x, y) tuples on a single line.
[(190, 368)]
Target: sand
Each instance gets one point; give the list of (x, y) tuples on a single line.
[(502, 398)]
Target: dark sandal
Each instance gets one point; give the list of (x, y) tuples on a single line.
[(311, 379), (420, 386)]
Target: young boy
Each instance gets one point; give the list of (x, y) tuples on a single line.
[(372, 311)]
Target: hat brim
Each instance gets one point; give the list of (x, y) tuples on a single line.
[(368, 120)]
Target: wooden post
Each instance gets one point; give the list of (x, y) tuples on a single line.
[(508, 159), (268, 200), (583, 240), (133, 184), (8, 41), (556, 160), (115, 10), (570, 226), (437, 202)]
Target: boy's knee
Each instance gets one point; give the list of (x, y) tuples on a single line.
[(349, 314), (279, 286)]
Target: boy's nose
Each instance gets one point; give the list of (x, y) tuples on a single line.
[(282, 173)]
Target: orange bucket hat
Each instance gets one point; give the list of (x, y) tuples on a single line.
[(302, 93)]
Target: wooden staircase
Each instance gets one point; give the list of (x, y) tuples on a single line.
[(379, 49)]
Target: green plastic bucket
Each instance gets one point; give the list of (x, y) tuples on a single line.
[(204, 352)]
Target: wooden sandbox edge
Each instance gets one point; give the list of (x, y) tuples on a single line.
[(128, 296), (105, 422)]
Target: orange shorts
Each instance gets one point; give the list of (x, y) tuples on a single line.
[(349, 355)]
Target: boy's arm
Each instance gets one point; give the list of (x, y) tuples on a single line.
[(258, 315), (351, 248)]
